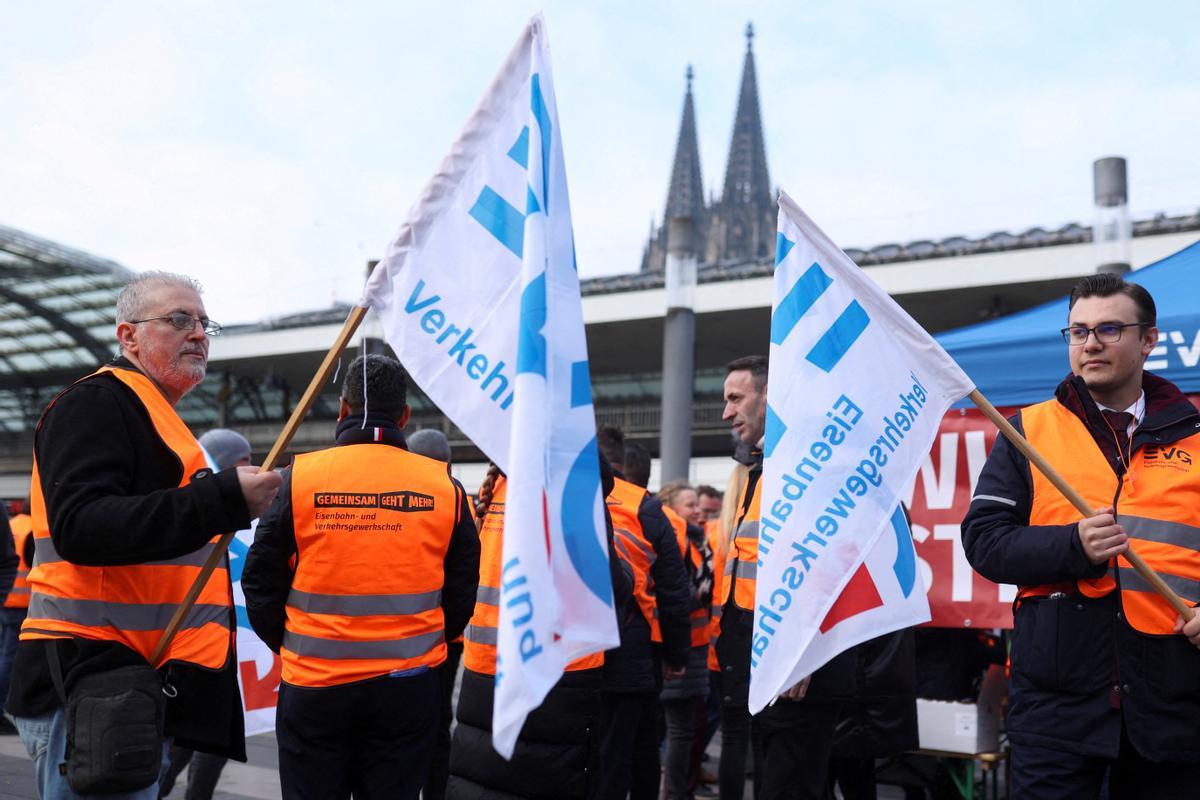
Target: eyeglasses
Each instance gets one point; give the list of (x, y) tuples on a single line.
[(185, 322), (1106, 332)]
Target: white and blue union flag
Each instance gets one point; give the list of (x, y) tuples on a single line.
[(856, 390), (479, 297)]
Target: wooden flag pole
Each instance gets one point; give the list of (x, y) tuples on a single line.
[(285, 437), (1021, 443)]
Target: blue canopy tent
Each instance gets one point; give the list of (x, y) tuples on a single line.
[(1019, 359)]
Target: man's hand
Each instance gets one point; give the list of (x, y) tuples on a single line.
[(673, 673), (798, 691), (1102, 538), (259, 489), (1190, 629)]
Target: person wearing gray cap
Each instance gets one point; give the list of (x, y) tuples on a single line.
[(227, 450), (432, 443)]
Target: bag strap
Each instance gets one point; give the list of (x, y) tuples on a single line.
[(56, 673)]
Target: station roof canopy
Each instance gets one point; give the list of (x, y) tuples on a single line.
[(56, 312)]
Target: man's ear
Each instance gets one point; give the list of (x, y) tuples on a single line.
[(343, 409), (402, 420), (1149, 340), (125, 337)]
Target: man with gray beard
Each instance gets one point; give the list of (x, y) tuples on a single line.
[(124, 508)]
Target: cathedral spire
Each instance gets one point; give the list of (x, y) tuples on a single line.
[(685, 196), (746, 178)]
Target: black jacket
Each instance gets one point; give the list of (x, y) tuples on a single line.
[(831, 683), (267, 574), (112, 497), (880, 718), (1077, 667), (554, 756), (635, 665)]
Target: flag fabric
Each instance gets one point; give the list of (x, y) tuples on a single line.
[(856, 390), (479, 297)]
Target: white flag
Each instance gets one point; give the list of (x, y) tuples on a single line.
[(856, 390), (479, 297)]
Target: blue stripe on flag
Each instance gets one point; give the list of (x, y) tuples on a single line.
[(519, 152), (783, 246), (531, 203), (906, 557), (804, 292), (581, 384), (500, 219), (542, 115), (775, 431), (531, 344), (581, 493), (827, 352)]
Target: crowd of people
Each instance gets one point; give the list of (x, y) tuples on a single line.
[(374, 573)]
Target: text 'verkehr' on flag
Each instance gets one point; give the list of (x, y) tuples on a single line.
[(479, 297)]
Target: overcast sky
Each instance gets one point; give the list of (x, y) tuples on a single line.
[(272, 148)]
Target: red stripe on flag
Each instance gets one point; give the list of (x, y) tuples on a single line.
[(859, 595)]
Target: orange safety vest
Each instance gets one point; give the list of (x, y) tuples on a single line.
[(22, 528), (700, 617), (366, 599), (133, 604), (716, 542), (740, 574), (1157, 502), (634, 549), (479, 640)]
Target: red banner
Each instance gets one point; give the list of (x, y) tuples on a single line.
[(958, 596)]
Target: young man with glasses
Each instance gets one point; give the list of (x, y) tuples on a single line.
[(1105, 675)]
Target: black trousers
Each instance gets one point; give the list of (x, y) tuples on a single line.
[(439, 766), (735, 742), (204, 770), (686, 719), (1039, 773), (796, 743), (628, 761), (373, 739)]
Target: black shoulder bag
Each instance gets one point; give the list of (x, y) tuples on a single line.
[(114, 727)]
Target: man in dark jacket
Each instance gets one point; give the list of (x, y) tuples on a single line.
[(1100, 682), (792, 738), (366, 564), (119, 497), (633, 672)]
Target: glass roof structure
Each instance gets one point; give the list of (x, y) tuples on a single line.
[(56, 319)]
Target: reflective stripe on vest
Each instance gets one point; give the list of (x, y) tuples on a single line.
[(22, 529), (132, 604), (740, 572), (633, 548), (375, 519), (699, 617), (481, 636), (1157, 502), (716, 542)]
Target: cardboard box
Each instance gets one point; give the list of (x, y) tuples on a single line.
[(967, 728)]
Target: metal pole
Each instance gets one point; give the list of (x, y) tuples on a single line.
[(679, 341)]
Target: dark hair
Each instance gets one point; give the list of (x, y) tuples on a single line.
[(1106, 284), (755, 365), (704, 490), (637, 464), (611, 442), (386, 385)]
